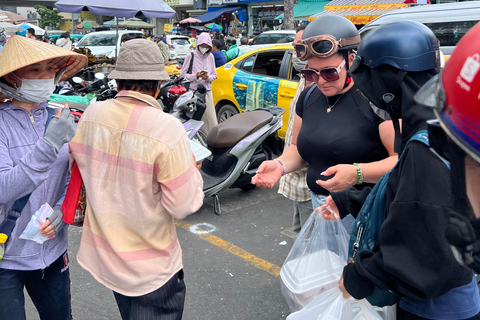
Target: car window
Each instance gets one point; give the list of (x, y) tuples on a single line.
[(248, 63), (180, 41), (449, 33), (98, 40), (279, 38), (261, 39), (268, 63)]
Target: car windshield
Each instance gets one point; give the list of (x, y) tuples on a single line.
[(180, 41), (97, 40), (281, 38)]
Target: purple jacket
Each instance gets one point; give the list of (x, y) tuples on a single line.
[(200, 62), (28, 164)]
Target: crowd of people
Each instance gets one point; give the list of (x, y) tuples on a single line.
[(356, 109)]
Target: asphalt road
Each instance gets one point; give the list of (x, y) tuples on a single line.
[(231, 262)]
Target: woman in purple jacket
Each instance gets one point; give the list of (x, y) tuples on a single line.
[(34, 160), (203, 71)]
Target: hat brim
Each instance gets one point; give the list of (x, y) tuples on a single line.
[(20, 52), (139, 75)]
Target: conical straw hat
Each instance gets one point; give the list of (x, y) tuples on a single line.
[(20, 52)]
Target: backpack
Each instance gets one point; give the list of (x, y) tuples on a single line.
[(366, 230)]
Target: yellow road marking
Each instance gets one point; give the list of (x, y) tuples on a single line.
[(228, 247)]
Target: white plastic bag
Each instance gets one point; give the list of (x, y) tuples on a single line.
[(367, 311), (330, 305), (315, 262)]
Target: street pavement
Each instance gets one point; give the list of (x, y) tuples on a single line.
[(231, 262)]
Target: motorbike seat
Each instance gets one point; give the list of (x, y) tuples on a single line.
[(229, 132)]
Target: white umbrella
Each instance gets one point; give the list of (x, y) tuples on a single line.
[(9, 28)]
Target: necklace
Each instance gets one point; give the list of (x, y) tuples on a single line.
[(330, 107)]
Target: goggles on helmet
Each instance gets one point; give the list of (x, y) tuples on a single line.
[(329, 74), (322, 46)]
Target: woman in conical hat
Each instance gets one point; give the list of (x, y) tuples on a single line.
[(34, 161)]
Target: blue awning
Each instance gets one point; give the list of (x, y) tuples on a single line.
[(209, 16)]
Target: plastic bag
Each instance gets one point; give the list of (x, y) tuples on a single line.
[(31, 231), (330, 305), (315, 262), (367, 311)]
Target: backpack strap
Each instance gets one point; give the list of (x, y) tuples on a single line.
[(189, 71), (307, 96)]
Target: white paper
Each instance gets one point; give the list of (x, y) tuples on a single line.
[(32, 232), (199, 151)]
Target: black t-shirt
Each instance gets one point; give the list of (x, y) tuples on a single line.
[(347, 134)]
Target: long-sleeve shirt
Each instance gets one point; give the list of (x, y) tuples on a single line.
[(201, 62), (28, 164), (139, 176)]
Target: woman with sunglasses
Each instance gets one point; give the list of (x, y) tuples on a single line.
[(34, 161), (336, 130)]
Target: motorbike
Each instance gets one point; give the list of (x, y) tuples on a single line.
[(170, 91), (238, 145)]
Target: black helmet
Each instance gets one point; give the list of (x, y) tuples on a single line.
[(416, 50), (335, 26), (231, 41)]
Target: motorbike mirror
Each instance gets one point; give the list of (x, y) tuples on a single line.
[(201, 88), (77, 79), (99, 75)]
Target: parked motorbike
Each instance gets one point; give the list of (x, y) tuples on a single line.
[(238, 145), (101, 86), (170, 91)]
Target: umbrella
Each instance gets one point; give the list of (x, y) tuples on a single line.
[(190, 20), (86, 24), (118, 8), (111, 23), (136, 23), (214, 27), (8, 16), (9, 28), (38, 31)]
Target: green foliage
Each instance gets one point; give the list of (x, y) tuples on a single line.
[(48, 17)]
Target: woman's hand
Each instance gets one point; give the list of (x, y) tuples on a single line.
[(344, 176), (47, 229), (268, 173), (329, 210), (345, 293)]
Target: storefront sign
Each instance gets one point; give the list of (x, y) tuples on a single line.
[(361, 19), (365, 7), (216, 2), (172, 2), (229, 1), (167, 28)]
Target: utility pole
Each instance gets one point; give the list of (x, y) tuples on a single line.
[(288, 19)]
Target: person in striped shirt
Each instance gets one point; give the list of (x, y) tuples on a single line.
[(139, 176)]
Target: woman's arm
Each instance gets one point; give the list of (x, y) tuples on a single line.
[(269, 172)]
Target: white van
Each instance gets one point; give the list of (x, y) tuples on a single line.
[(449, 21), (102, 43)]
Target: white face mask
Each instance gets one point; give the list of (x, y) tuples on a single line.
[(203, 50), (298, 64), (36, 90)]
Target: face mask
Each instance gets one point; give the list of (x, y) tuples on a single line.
[(203, 50), (298, 64), (36, 90)]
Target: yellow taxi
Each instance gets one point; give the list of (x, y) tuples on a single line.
[(258, 79)]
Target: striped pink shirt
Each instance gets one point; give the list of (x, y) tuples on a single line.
[(139, 175)]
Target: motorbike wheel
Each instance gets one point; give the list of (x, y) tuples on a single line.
[(201, 138), (225, 112)]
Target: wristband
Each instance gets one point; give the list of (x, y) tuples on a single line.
[(283, 166), (359, 173)]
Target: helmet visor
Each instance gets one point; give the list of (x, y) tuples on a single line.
[(431, 94)]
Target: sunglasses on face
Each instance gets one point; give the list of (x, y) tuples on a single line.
[(328, 74), (322, 46)]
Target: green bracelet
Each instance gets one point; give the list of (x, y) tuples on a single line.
[(359, 173)]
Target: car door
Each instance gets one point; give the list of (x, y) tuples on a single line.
[(287, 88), (255, 84)]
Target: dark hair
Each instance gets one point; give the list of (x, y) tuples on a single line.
[(65, 35), (31, 31), (244, 41), (216, 43), (301, 27), (138, 85)]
